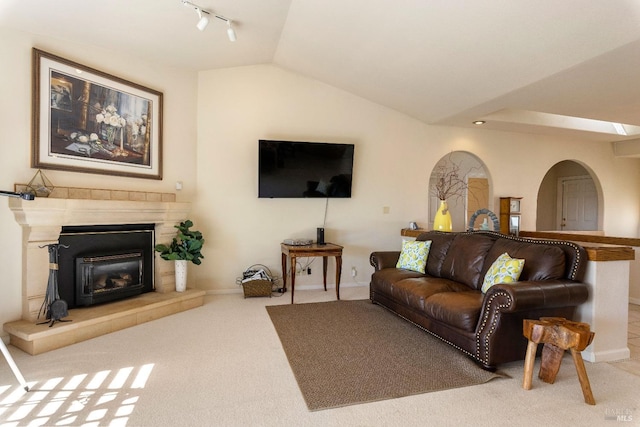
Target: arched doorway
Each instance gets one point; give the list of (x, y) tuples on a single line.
[(477, 193), (569, 199)]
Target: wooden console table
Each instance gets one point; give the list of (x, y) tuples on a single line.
[(599, 248), (313, 250)]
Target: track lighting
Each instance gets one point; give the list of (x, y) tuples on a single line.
[(203, 21), (230, 32)]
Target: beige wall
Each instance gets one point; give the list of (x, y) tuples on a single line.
[(179, 88), (212, 122), (394, 157)]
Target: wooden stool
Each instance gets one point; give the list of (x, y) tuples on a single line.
[(557, 334)]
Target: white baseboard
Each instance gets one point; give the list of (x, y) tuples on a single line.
[(238, 290), (606, 356), (227, 291)]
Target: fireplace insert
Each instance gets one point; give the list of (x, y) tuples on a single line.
[(103, 276), (105, 263)]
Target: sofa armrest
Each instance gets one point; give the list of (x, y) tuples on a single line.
[(498, 337), (522, 296), (384, 259)]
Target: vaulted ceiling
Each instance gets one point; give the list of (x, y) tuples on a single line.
[(539, 66)]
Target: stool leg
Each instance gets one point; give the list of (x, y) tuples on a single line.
[(550, 363), (528, 365), (582, 376)]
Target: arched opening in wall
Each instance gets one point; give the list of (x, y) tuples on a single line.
[(569, 199), (476, 194)]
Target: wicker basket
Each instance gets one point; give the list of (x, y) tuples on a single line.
[(257, 288)]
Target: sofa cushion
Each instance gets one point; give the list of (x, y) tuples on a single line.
[(384, 280), (458, 309), (503, 270), (440, 243), (414, 291), (542, 262), (465, 259), (414, 255)]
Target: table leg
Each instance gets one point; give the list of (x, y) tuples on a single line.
[(292, 259), (550, 362), (528, 365), (324, 272), (284, 273), (338, 274), (582, 376)]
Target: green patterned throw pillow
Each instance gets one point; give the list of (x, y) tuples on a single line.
[(503, 270), (414, 255)]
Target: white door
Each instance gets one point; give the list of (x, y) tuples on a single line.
[(579, 204)]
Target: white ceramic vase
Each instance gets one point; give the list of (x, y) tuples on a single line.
[(181, 275)]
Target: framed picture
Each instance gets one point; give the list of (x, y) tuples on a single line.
[(85, 120)]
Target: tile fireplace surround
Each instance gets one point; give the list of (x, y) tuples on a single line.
[(42, 220)]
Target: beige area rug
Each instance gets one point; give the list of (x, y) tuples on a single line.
[(349, 352)]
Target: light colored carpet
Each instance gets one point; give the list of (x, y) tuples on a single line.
[(349, 352), (223, 365)]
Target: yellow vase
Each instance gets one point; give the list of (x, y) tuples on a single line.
[(442, 220)]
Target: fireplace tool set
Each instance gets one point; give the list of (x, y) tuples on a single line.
[(53, 307)]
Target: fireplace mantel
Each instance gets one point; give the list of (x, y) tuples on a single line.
[(44, 212), (43, 218)]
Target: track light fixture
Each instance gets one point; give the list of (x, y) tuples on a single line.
[(203, 21), (231, 32)]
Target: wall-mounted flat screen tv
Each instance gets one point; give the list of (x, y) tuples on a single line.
[(290, 169)]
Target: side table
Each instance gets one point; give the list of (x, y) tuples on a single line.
[(557, 334), (313, 250)]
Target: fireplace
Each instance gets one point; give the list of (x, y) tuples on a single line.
[(42, 221), (104, 263)]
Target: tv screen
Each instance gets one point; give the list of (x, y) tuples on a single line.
[(289, 169)]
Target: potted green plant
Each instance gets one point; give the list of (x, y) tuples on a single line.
[(185, 247)]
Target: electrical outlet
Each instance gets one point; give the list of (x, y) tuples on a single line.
[(309, 270), (354, 272)]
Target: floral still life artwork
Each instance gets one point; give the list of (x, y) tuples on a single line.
[(89, 121), (111, 130)]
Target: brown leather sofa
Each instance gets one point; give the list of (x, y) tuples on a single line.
[(447, 300)]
